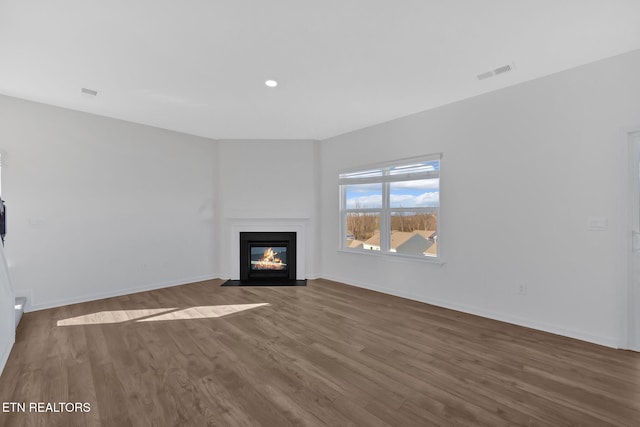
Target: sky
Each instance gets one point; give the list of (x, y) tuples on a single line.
[(406, 194), (403, 194)]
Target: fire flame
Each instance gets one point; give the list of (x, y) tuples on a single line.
[(270, 261)]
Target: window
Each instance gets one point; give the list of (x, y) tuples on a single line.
[(393, 208)]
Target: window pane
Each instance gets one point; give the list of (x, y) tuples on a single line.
[(363, 231), (414, 233), (433, 165), (364, 196), (402, 196), (361, 174), (413, 194)]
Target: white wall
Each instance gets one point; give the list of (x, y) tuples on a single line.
[(267, 184), (523, 170), (100, 207), (7, 316)]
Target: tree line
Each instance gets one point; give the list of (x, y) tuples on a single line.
[(362, 226)]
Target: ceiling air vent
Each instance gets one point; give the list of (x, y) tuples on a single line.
[(89, 91), (502, 69), (499, 70), (485, 75)]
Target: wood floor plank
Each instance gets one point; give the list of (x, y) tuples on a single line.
[(324, 354)]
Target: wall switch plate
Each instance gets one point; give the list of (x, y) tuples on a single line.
[(597, 223), (635, 241)]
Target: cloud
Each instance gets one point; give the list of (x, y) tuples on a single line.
[(422, 184), (364, 202), (428, 199), (364, 188)]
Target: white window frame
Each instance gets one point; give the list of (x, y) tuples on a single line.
[(350, 177)]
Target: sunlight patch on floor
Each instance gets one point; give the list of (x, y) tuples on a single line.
[(116, 316), (204, 312), (157, 314)]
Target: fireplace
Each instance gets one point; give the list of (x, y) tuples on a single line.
[(267, 255)]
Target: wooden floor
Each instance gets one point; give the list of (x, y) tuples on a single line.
[(324, 354)]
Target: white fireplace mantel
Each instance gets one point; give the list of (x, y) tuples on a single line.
[(237, 224)]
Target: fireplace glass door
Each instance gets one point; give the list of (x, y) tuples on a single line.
[(267, 255)]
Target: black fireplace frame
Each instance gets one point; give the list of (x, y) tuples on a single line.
[(267, 238)]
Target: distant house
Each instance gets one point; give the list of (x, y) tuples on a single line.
[(372, 243), (432, 251), (417, 244), (428, 234), (354, 244), (413, 243)]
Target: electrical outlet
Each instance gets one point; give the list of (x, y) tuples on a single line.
[(522, 289)]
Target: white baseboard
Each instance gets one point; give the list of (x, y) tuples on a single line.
[(117, 292), (28, 294), (507, 318), (5, 354)]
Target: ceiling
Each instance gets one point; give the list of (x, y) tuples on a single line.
[(199, 66)]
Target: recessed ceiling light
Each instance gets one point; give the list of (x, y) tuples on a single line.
[(271, 83)]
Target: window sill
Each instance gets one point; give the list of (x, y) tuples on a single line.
[(395, 256)]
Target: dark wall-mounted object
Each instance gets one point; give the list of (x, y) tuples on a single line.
[(3, 220)]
